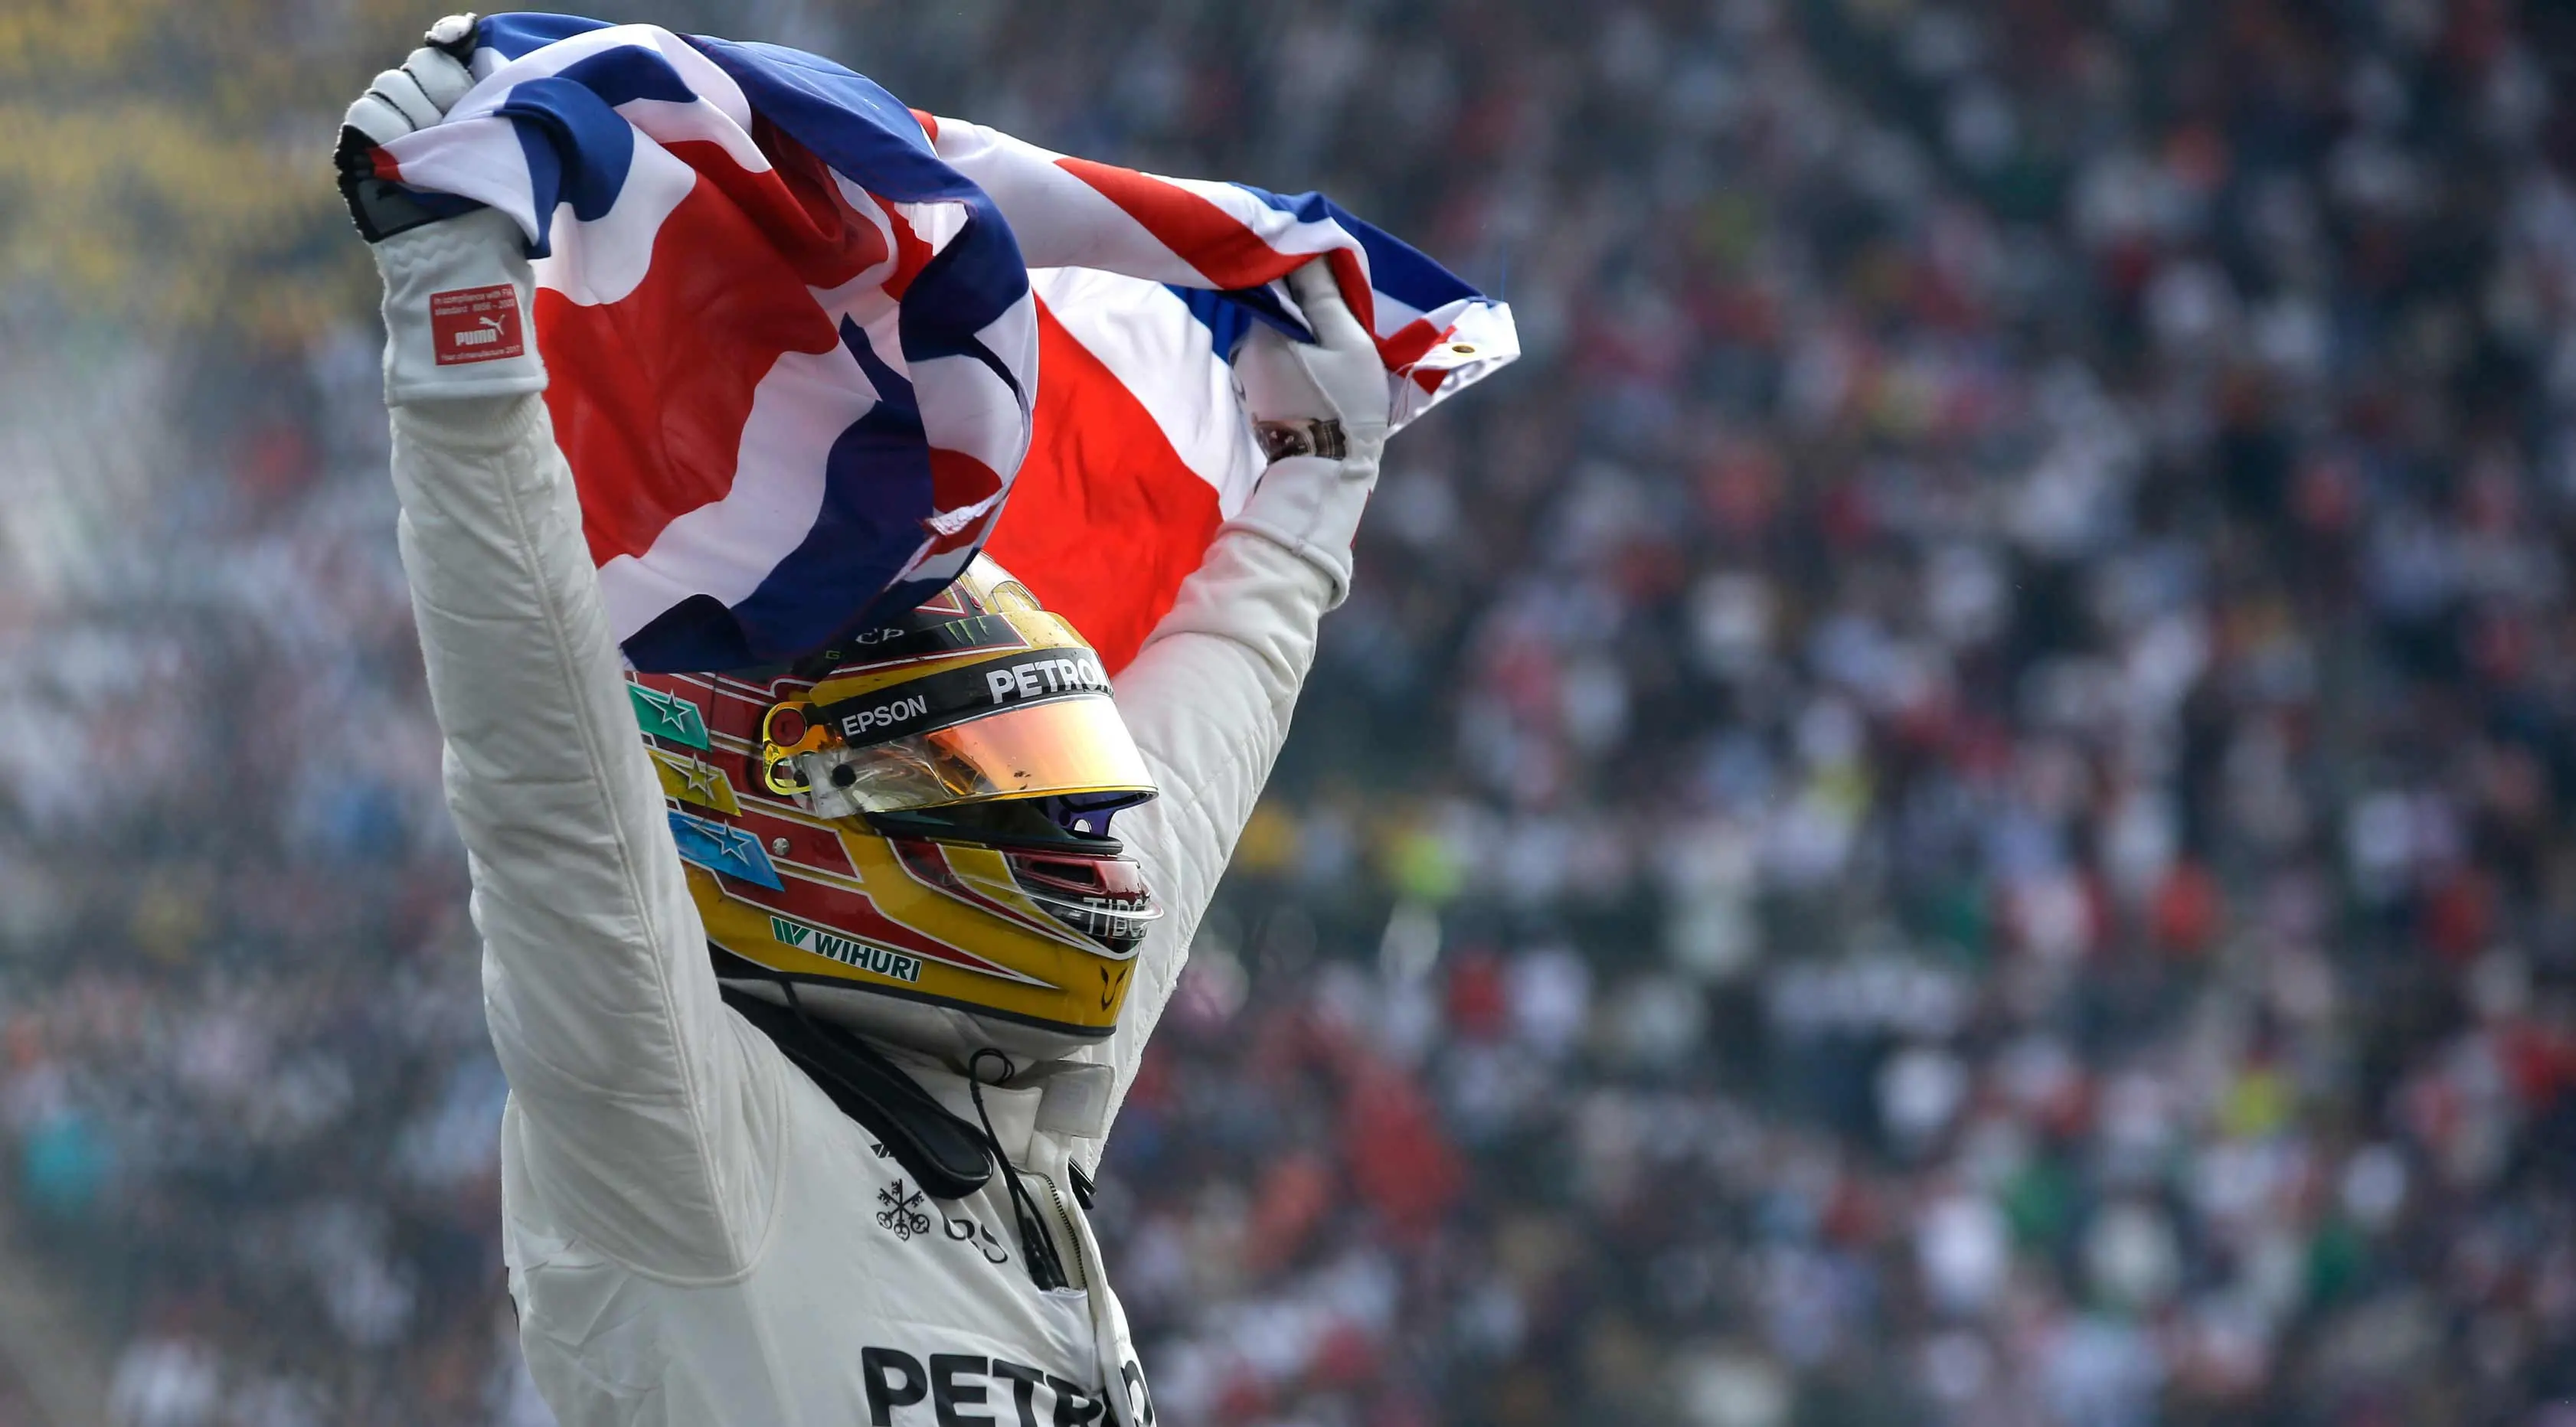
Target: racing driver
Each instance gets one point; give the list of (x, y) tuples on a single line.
[(817, 988)]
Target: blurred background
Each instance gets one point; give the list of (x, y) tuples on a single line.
[(1951, 805)]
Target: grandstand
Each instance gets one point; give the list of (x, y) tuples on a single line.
[(1952, 804)]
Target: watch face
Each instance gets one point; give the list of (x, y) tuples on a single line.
[(1302, 436)]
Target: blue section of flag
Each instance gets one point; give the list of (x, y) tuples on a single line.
[(1229, 315), (878, 471), (850, 122), (524, 31), (1395, 266), (578, 150), (880, 466)]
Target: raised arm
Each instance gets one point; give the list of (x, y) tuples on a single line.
[(1209, 696), (638, 1105)]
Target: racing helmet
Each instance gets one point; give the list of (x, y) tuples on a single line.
[(909, 833)]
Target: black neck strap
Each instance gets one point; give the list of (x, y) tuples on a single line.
[(945, 1153)]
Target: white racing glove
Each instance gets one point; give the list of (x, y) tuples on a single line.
[(1321, 410), (458, 319)]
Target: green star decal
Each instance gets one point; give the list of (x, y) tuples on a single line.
[(667, 716)]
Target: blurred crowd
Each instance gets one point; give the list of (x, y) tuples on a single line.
[(1952, 804)]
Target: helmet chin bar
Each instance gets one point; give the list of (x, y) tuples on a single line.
[(1075, 877), (1081, 878), (945, 1033), (1104, 898)]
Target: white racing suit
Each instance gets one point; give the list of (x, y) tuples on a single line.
[(694, 1233)]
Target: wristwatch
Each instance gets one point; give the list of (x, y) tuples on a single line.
[(1302, 436)]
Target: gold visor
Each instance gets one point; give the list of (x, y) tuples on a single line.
[(1063, 746)]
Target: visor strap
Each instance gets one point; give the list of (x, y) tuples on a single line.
[(964, 635)]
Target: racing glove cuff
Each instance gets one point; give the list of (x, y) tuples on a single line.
[(1312, 505), (459, 310)]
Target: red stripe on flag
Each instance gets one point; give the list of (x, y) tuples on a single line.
[(1354, 283), (1205, 236), (651, 418), (1230, 254), (929, 123), (1104, 520), (912, 252), (1407, 346), (958, 480)]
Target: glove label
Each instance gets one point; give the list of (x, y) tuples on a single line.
[(475, 324)]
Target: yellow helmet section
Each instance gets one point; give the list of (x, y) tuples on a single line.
[(927, 943)]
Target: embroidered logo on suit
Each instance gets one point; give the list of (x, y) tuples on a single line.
[(902, 1215)]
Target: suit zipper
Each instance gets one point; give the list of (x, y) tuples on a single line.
[(1069, 1242)]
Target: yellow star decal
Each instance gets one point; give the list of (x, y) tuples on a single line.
[(694, 780)]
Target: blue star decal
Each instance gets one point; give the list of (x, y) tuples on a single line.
[(729, 850)]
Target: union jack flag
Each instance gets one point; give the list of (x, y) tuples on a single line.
[(804, 342)]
